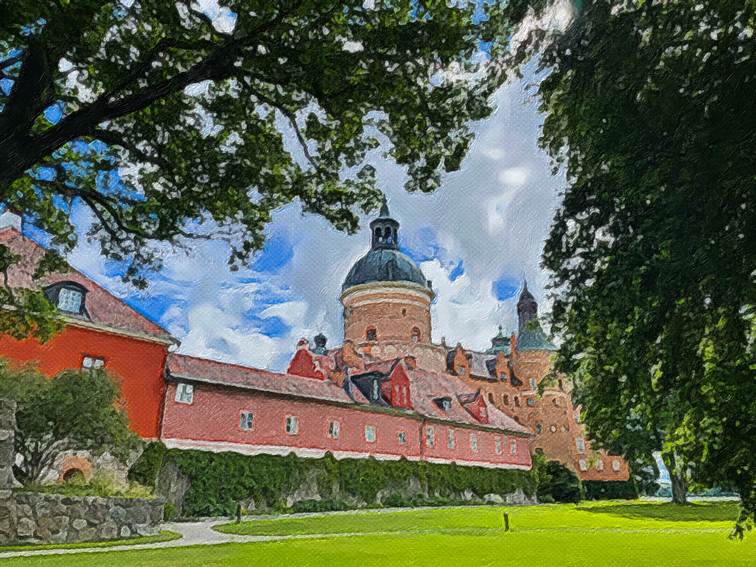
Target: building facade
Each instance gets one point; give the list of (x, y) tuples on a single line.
[(387, 392)]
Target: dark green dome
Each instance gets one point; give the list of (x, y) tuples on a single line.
[(384, 265)]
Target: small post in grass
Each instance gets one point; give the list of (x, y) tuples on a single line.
[(506, 522), (238, 512)]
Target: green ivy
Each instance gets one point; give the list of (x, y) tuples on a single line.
[(220, 480)]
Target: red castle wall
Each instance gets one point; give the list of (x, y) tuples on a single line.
[(138, 364)]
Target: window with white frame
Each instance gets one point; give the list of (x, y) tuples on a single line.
[(430, 436), (533, 384), (473, 441), (246, 419), (92, 363), (69, 300), (334, 429), (184, 393), (292, 424), (376, 390), (402, 437), (450, 439), (580, 444), (498, 445), (513, 447), (583, 465), (615, 465), (370, 433), (599, 465)]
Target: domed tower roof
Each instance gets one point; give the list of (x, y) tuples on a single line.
[(384, 262)]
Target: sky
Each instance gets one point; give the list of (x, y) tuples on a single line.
[(477, 238)]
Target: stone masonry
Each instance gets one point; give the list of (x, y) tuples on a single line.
[(29, 517)]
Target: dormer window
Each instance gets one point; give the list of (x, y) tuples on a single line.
[(443, 403), (371, 334), (68, 297)]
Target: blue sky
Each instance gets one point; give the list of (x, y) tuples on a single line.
[(476, 238)]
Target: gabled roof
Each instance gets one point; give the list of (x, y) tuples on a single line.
[(246, 377), (479, 364), (102, 307)]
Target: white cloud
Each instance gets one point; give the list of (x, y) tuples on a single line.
[(493, 216)]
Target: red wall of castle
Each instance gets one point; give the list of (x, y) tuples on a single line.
[(137, 364), (214, 414)]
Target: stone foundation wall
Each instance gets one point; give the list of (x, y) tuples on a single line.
[(32, 517), (54, 518)]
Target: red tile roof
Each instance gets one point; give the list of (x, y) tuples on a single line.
[(205, 370), (103, 308)]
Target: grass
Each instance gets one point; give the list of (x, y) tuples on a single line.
[(593, 534), (164, 535)]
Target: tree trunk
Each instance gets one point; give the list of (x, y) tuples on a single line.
[(677, 477)]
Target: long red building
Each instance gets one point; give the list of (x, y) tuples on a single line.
[(387, 392)]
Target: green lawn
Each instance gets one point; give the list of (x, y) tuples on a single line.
[(592, 534), (164, 535)]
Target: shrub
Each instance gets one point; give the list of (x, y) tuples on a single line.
[(147, 467), (219, 480), (559, 483), (610, 490)]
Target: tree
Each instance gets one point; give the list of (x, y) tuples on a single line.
[(73, 411), (649, 108), (168, 125), (557, 483)]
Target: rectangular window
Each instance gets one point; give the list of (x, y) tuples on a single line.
[(498, 445), (533, 384), (376, 390), (402, 436), (370, 433), (430, 436), (450, 439), (245, 420), (69, 300), (531, 402), (185, 393), (92, 363), (599, 465), (513, 447), (580, 444), (473, 441), (334, 430), (292, 424), (615, 465), (583, 465)]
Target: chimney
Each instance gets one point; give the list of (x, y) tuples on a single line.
[(303, 344), (9, 219)]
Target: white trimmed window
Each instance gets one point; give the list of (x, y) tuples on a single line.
[(370, 433), (69, 300), (184, 393), (513, 447), (474, 441), (580, 444), (292, 424), (615, 465), (402, 437), (498, 445), (450, 440), (334, 429), (246, 420), (92, 363), (599, 465), (430, 436), (533, 384), (583, 465)]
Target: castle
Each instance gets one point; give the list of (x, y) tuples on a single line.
[(387, 392)]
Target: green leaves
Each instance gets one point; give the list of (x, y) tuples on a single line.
[(649, 108), (73, 411)]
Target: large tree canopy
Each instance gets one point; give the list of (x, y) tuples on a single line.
[(650, 108), (167, 124)]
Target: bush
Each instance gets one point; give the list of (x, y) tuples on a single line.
[(558, 483), (219, 480), (169, 512), (101, 484), (610, 490), (147, 467)]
